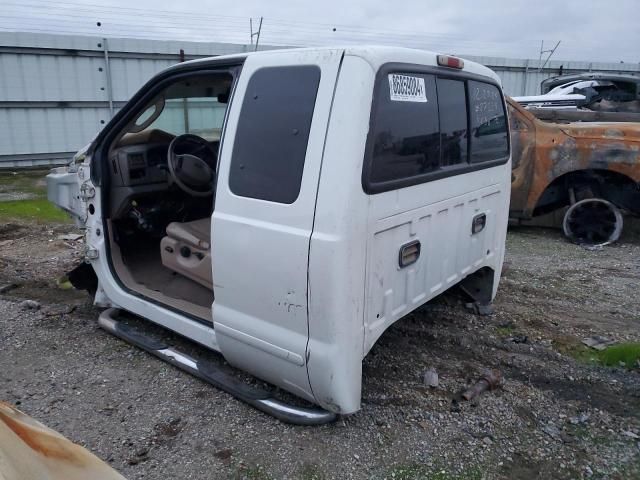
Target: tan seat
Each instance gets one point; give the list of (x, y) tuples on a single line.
[(187, 250)]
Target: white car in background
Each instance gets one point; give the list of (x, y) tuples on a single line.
[(585, 91)]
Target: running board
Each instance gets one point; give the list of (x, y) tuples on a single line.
[(211, 373)]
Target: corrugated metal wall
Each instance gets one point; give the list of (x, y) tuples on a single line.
[(57, 91), (523, 77)]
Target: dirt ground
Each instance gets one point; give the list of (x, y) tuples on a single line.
[(558, 415)]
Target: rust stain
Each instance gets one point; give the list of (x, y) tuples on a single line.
[(28, 449), (39, 438), (543, 151)]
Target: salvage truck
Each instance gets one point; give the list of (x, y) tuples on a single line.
[(585, 162), (284, 208)]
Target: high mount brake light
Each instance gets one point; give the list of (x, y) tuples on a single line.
[(451, 62)]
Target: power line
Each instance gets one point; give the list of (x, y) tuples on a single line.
[(37, 15), (307, 28), (97, 8), (543, 51)]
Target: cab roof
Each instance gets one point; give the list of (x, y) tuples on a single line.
[(375, 55), (380, 55)]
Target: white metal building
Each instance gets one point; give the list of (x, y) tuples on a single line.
[(57, 91)]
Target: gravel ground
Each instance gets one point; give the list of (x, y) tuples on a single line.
[(554, 417)]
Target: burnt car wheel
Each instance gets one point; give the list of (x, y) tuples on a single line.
[(593, 221)]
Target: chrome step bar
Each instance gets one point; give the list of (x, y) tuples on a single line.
[(214, 374)]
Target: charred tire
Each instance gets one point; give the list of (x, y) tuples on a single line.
[(593, 221)]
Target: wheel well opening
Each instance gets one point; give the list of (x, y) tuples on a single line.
[(574, 186), (479, 285)]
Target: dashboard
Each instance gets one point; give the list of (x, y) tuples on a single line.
[(139, 165), (138, 168)]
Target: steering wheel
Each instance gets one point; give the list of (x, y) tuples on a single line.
[(187, 165)]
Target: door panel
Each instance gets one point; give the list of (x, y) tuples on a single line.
[(260, 241)]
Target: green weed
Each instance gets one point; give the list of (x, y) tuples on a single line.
[(627, 354), (624, 354), (505, 331), (421, 472), (252, 472), (35, 207), (38, 210)]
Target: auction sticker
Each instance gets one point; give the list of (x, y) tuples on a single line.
[(405, 88)]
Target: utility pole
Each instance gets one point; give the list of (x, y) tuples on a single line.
[(540, 57), (107, 71), (255, 34), (543, 51)]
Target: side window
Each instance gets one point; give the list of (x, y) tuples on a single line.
[(406, 138), (195, 105), (489, 133), (452, 104), (200, 116), (273, 131)]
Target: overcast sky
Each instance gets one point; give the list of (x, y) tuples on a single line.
[(588, 30)]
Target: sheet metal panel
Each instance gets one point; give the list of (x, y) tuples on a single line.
[(26, 77), (128, 75), (36, 67), (78, 42), (42, 130)]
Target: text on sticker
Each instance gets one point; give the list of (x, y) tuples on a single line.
[(405, 88)]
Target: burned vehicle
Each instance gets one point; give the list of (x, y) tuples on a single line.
[(284, 208), (604, 92), (591, 167), (609, 86)]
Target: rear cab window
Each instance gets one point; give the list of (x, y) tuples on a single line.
[(429, 123)]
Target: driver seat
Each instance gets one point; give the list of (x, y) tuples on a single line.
[(187, 250)]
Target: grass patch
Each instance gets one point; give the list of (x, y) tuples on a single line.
[(34, 208), (30, 181), (421, 472), (617, 355), (579, 430), (572, 347), (505, 331), (39, 210), (624, 354), (252, 472), (581, 353)]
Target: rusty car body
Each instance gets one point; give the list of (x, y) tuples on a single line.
[(29, 450), (561, 164)]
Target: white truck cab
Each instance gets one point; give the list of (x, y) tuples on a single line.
[(283, 208)]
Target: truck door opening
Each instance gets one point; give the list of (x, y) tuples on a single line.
[(162, 169)]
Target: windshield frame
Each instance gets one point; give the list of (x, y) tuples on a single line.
[(100, 147)]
